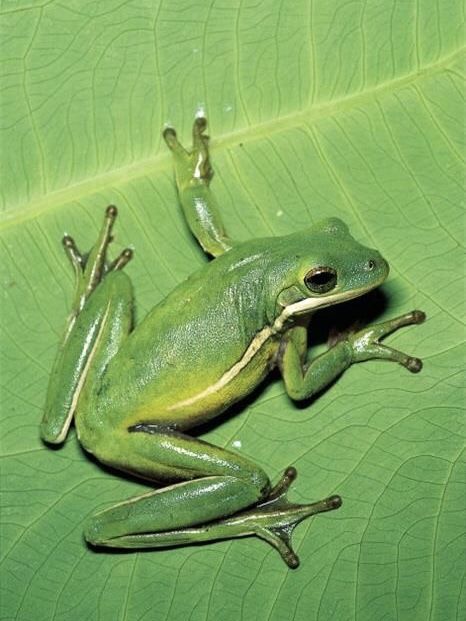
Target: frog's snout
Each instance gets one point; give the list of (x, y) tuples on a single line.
[(385, 266), (377, 266)]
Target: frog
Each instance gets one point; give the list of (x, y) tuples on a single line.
[(137, 392)]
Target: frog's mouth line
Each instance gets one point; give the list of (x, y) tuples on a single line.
[(308, 305)]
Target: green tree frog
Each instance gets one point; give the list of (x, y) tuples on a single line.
[(135, 393)]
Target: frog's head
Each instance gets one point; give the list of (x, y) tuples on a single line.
[(325, 266)]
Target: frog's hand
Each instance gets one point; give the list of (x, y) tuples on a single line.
[(303, 380), (193, 173), (103, 298), (230, 497)]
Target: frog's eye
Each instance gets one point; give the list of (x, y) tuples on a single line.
[(321, 279)]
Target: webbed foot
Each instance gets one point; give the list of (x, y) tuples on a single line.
[(275, 518)]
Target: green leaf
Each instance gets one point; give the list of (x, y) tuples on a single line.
[(316, 109)]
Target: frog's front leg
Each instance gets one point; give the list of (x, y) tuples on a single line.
[(193, 174), (225, 496), (303, 380)]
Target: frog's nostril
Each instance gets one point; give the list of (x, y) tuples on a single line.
[(371, 265)]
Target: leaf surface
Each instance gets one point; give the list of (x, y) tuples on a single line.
[(316, 109)]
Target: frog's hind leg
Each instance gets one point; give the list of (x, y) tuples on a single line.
[(102, 294), (193, 174), (226, 497), (91, 268)]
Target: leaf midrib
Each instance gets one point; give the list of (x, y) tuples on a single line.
[(162, 160)]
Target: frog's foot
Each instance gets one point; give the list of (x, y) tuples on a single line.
[(191, 166), (366, 343), (275, 518), (91, 268)]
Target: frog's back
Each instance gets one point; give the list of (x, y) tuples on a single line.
[(179, 363)]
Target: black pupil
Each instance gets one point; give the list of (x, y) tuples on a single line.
[(321, 281), (321, 278)]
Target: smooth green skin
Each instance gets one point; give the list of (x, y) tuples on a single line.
[(134, 393)]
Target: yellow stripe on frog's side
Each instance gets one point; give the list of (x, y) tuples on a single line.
[(254, 347)]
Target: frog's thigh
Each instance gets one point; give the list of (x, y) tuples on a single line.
[(222, 484)]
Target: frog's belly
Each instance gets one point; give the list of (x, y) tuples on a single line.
[(189, 400)]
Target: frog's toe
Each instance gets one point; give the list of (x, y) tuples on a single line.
[(200, 139), (75, 256), (200, 152), (170, 137), (199, 126), (122, 259), (181, 156), (275, 518), (200, 122), (414, 364)]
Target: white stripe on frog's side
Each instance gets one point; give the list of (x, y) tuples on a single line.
[(303, 307), (82, 378)]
